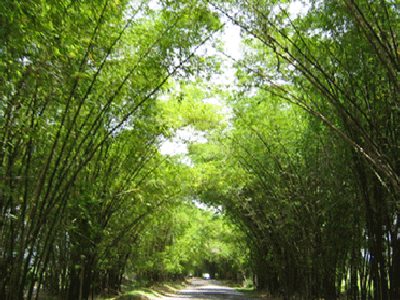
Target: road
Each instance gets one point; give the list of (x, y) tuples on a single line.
[(208, 289)]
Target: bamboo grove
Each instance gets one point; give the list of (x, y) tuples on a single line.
[(81, 133), (316, 139), (301, 160)]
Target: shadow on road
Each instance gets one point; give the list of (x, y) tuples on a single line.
[(210, 289)]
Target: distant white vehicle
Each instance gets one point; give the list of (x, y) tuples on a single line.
[(206, 276)]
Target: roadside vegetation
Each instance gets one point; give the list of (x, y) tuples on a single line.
[(130, 291), (290, 182)]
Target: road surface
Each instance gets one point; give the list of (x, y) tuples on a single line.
[(208, 289)]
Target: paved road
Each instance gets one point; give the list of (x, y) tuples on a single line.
[(208, 289)]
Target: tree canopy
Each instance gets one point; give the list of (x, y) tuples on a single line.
[(296, 168)]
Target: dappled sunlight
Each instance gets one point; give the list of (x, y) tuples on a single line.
[(162, 149)]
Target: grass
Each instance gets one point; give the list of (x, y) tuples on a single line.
[(132, 292), (250, 291), (254, 293)]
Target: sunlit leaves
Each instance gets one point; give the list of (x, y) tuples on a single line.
[(82, 129), (335, 60)]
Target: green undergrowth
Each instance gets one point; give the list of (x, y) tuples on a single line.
[(247, 289), (252, 292), (158, 290)]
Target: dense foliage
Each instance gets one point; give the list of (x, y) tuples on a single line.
[(316, 190), (81, 130), (300, 176)]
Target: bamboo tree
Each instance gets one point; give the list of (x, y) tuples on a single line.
[(326, 75), (65, 101)]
